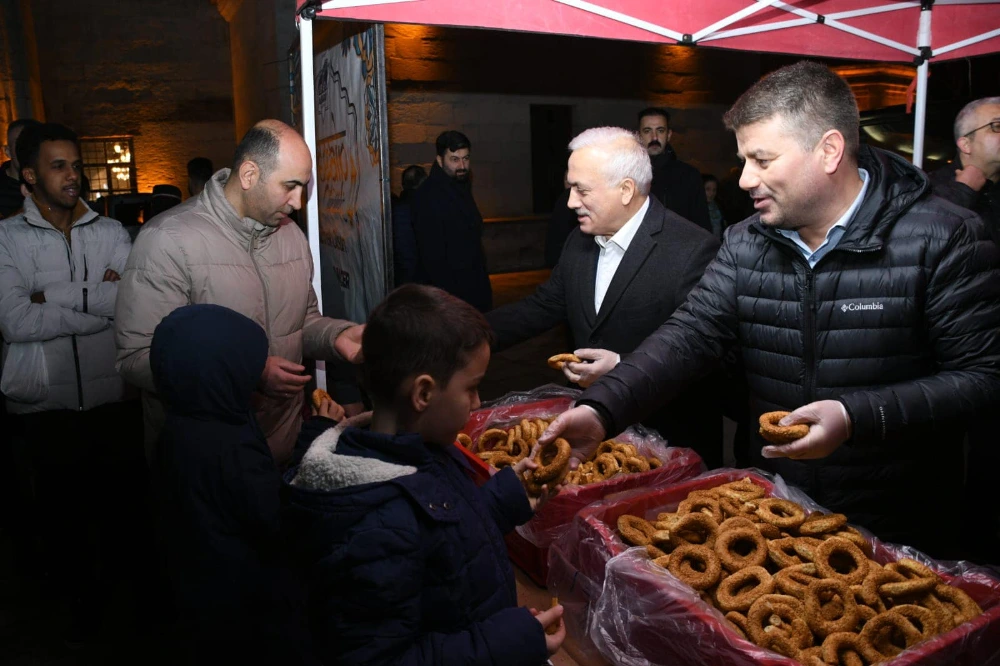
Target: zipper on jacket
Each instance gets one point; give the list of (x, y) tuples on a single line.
[(809, 335), (76, 351), (252, 248)]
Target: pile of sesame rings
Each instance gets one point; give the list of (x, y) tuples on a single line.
[(801, 584), (611, 459)]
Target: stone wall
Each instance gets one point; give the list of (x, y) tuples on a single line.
[(260, 34), (484, 83), (20, 86), (158, 71)]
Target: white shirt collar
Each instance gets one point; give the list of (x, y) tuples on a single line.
[(623, 237)]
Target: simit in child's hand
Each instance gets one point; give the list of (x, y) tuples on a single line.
[(554, 627), (529, 464)]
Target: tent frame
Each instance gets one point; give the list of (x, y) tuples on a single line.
[(922, 54)]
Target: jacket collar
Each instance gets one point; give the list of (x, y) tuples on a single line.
[(83, 214), (213, 197), (642, 244), (323, 469), (894, 186)]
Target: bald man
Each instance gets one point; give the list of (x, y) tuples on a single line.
[(233, 245)]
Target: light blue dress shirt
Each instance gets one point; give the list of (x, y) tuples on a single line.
[(834, 233)]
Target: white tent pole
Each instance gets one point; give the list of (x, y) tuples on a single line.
[(920, 119), (309, 133)]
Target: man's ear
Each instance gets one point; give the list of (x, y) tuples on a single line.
[(249, 174), (964, 144), (440, 161), (29, 175), (422, 392), (628, 191), (834, 148)]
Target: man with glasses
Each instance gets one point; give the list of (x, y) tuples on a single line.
[(971, 179)]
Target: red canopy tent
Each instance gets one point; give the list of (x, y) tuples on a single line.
[(880, 30)]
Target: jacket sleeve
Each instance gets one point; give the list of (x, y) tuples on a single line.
[(961, 314), (319, 332), (100, 297), (371, 610), (950, 189), (533, 315), (685, 348), (155, 283), (24, 321), (507, 500)]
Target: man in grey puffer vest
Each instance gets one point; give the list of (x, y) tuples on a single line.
[(860, 302)]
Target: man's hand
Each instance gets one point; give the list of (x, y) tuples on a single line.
[(972, 176), (829, 427), (551, 618), (38, 297), (111, 276), (329, 409), (599, 362), (348, 343), (581, 427), (282, 378)]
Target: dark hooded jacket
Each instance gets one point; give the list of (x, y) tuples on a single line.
[(678, 186), (404, 556), (448, 231), (899, 322), (218, 488)]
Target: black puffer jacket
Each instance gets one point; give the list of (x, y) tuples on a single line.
[(899, 322)]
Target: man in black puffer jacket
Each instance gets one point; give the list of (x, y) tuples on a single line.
[(860, 301)]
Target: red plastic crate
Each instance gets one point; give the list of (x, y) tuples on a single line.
[(695, 627), (528, 546)]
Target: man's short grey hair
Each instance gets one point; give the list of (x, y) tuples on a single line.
[(627, 158), (807, 97), (964, 122)]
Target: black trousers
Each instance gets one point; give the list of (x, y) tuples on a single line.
[(82, 492)]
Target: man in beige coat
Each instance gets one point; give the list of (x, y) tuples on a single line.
[(233, 245)]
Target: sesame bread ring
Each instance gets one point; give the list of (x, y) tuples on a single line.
[(776, 434)]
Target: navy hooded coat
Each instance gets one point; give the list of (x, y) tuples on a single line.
[(404, 556), (218, 490)]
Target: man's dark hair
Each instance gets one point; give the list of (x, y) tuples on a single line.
[(654, 111), (413, 176), (30, 141), (453, 141), (810, 100), (20, 124), (260, 146), (418, 330), (200, 169), (709, 178)]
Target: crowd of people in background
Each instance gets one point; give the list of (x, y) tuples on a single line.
[(156, 422)]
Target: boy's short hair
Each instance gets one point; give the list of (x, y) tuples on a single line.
[(419, 330)]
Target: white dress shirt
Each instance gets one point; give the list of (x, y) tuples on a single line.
[(612, 251)]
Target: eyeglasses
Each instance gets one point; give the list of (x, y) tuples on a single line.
[(994, 126)]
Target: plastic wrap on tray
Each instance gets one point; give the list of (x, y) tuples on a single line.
[(555, 516), (644, 616)]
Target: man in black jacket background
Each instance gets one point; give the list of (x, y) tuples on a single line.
[(972, 181), (859, 301), (448, 228), (676, 184), (622, 272)]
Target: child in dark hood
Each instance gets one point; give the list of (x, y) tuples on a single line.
[(404, 556), (218, 490)]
